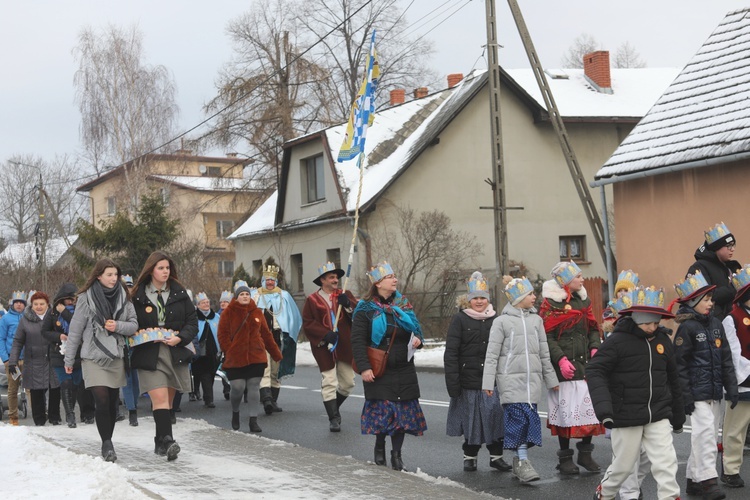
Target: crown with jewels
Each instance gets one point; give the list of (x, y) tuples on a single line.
[(517, 289), (226, 296), (565, 274), (624, 302), (18, 295), (379, 272), (270, 272), (692, 284), (127, 279), (200, 296), (326, 268), (716, 233)]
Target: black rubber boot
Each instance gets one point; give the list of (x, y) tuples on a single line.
[(133, 418), (584, 457), (396, 462), (380, 455), (566, 465), (236, 420), (334, 420), (275, 395), (254, 427), (266, 400), (340, 398), (67, 395)]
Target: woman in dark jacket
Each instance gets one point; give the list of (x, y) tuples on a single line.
[(206, 343), (391, 401), (38, 377), (55, 332), (473, 414), (162, 302)]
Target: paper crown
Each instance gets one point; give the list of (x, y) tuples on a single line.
[(328, 267), (240, 283), (127, 279), (517, 289), (622, 303), (565, 272), (627, 280), (741, 281), (379, 272), (270, 272), (694, 285), (477, 286), (649, 299), (200, 296), (31, 294), (226, 296), (717, 233), (18, 295)]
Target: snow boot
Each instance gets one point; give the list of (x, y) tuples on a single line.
[(267, 400), (169, 447), (108, 451), (235, 420), (711, 491), (254, 427), (379, 455), (396, 462), (584, 457), (470, 463), (333, 420), (566, 465)]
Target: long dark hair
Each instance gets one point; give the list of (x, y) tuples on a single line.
[(145, 277), (99, 268)]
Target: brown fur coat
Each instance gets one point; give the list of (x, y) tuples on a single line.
[(245, 343)]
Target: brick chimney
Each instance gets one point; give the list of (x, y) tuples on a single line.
[(596, 70), (397, 96), (454, 79), (420, 92)]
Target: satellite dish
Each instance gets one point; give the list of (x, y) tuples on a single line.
[(202, 169)]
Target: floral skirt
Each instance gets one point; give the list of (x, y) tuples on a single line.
[(571, 412), (393, 417)]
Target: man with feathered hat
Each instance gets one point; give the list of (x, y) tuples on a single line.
[(284, 321), (330, 340)]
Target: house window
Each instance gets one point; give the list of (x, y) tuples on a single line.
[(111, 205), (334, 255), (296, 282), (226, 268), (213, 172), (573, 248), (224, 228), (313, 179)]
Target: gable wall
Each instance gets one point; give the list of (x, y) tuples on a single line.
[(294, 209)]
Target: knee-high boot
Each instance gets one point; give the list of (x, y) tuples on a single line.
[(68, 397)]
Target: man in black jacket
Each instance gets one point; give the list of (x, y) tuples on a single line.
[(714, 260), (635, 390)]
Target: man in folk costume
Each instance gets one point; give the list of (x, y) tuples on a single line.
[(284, 321), (737, 419), (331, 348)]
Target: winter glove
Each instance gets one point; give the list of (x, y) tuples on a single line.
[(344, 301), (329, 338), (689, 408), (566, 368), (608, 423), (11, 371), (593, 351), (734, 398)]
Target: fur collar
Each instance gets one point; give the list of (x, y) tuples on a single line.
[(551, 290)]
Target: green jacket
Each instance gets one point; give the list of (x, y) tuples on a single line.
[(576, 342)]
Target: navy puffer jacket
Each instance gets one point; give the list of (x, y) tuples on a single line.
[(465, 350), (704, 357)]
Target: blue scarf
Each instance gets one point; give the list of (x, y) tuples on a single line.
[(64, 324), (402, 312)]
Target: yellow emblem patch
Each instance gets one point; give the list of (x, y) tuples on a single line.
[(58, 323), (257, 320), (149, 309), (746, 321), (679, 341), (568, 307), (718, 342), (660, 348)]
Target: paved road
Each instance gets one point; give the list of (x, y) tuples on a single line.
[(304, 422)]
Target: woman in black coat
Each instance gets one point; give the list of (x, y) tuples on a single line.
[(392, 400), (162, 302)]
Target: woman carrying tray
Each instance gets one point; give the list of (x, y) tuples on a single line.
[(102, 319), (162, 303)]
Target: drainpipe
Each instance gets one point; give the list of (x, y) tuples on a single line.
[(607, 245), (368, 246)]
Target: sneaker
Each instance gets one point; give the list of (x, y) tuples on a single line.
[(524, 471), (732, 480)]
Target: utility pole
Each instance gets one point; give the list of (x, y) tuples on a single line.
[(41, 236)]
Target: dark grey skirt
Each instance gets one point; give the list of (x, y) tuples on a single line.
[(112, 376), (476, 416), (167, 374)]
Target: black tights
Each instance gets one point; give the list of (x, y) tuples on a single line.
[(565, 442), (105, 402), (397, 441)]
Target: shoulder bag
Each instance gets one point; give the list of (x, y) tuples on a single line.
[(378, 358)]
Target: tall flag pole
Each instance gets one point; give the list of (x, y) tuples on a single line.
[(361, 117)]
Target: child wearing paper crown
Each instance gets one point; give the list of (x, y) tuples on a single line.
[(518, 364), (635, 388), (706, 370), (626, 282), (573, 337), (736, 420)]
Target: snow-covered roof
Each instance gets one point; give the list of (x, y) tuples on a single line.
[(18, 255), (704, 114), (208, 183), (400, 133), (262, 219)]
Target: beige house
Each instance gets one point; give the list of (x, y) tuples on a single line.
[(433, 153), (210, 196), (686, 165)]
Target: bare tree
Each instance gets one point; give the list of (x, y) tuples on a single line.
[(269, 93), (582, 45), (627, 57), (127, 107), (18, 195), (403, 59)]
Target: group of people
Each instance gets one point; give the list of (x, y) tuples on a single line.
[(631, 379)]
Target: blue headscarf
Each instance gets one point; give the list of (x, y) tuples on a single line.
[(64, 324), (402, 312)]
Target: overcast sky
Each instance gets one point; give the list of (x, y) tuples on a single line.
[(38, 114)]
